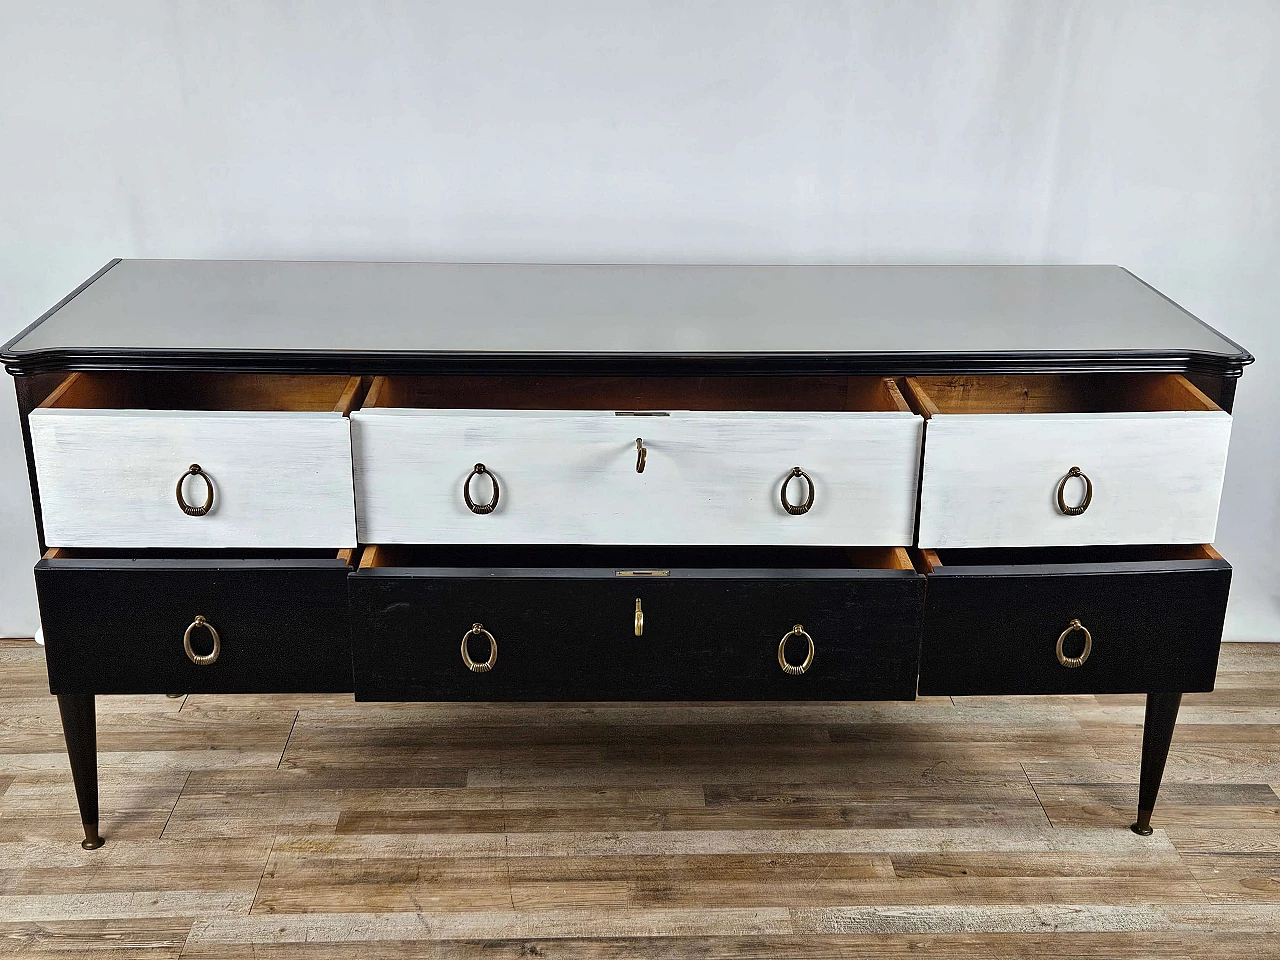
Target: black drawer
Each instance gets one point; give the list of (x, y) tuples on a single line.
[(565, 624), (993, 619), (115, 624)]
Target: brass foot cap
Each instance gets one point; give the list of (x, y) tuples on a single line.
[(91, 839), (1140, 830)]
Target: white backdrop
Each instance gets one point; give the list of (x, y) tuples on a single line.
[(1143, 134)]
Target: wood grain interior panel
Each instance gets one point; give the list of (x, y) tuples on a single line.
[(87, 553), (638, 558), (1054, 393), (205, 391), (638, 393), (1002, 556)]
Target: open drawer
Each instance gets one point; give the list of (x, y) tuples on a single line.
[(1070, 460), (615, 460), (195, 621), (662, 624), (1072, 620), (196, 460)]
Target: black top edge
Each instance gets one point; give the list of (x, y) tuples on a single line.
[(497, 364)]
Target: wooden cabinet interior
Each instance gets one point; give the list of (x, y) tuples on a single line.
[(206, 391), (1054, 393)]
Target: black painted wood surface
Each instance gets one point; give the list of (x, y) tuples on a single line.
[(116, 626), (1157, 735), (1156, 625), (707, 635), (80, 732)]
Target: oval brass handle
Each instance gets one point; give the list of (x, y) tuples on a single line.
[(487, 665), (795, 509), (641, 455), (480, 508), (639, 619), (202, 659), (1074, 662), (791, 668), (1088, 493), (195, 471)]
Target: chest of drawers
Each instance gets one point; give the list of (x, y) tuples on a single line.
[(520, 482)]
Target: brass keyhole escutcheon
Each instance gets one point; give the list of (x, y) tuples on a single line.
[(639, 619), (641, 455), (195, 471)]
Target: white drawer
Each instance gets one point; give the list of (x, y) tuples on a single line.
[(1153, 448), (110, 451), (711, 477)]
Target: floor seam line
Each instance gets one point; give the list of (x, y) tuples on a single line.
[(1022, 765), (177, 800), (285, 748)]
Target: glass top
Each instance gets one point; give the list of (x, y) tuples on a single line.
[(642, 309)]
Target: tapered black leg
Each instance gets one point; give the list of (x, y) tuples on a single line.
[(1157, 733), (80, 730)]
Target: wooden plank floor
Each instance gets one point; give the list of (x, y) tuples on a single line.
[(308, 827)]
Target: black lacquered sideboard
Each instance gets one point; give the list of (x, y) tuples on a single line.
[(443, 482)]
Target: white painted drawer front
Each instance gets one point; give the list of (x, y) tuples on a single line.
[(570, 477), (992, 480), (107, 478)]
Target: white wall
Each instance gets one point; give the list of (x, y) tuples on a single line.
[(1136, 133)]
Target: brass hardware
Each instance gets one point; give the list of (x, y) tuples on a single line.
[(493, 650), (195, 471), (641, 413), (480, 508), (202, 659), (791, 668), (1073, 662), (793, 508), (639, 619), (642, 573), (1088, 493), (641, 455), (91, 841)]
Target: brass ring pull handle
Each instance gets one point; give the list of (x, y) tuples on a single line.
[(487, 665), (480, 508), (641, 455), (1073, 662), (639, 619), (791, 668), (1088, 493), (796, 509), (202, 659), (195, 471)]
